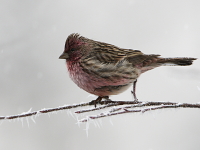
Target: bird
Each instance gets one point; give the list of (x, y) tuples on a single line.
[(104, 69)]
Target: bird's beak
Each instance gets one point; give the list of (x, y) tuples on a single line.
[(64, 56)]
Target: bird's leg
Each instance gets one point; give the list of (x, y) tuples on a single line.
[(95, 102), (133, 92)]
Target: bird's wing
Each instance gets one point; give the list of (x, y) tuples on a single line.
[(115, 55), (141, 59), (110, 63), (107, 53), (109, 57)]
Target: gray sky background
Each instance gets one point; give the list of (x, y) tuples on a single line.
[(32, 36)]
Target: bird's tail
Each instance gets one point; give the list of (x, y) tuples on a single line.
[(181, 61)]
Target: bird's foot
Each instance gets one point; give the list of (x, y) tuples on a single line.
[(95, 102), (107, 100), (98, 101), (136, 101)]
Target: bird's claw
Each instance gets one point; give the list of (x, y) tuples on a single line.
[(94, 102), (98, 101)]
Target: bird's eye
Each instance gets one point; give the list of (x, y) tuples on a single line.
[(72, 49)]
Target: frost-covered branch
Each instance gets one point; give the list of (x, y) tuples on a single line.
[(128, 109), (115, 108), (43, 111)]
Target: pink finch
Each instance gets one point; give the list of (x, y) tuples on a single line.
[(103, 69)]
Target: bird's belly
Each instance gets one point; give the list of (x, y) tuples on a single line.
[(98, 85), (111, 90)]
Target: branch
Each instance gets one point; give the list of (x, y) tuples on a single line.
[(43, 111), (123, 110), (116, 108)]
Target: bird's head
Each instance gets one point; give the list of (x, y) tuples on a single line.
[(74, 48)]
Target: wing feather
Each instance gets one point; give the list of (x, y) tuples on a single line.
[(107, 53)]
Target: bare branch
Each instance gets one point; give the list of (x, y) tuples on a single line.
[(43, 111), (116, 108), (140, 104), (124, 110)]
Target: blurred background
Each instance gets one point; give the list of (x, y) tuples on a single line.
[(32, 37)]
